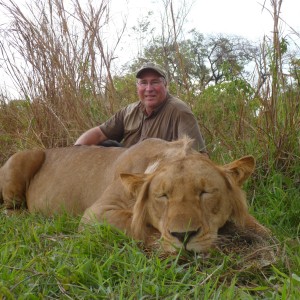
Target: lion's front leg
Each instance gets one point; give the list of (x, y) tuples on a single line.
[(113, 207), (112, 214), (120, 218)]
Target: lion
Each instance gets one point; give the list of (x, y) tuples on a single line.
[(155, 191)]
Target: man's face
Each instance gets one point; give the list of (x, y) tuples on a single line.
[(152, 90)]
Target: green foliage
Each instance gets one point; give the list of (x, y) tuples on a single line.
[(68, 88), (46, 258), (126, 89), (198, 61), (227, 113), (277, 200), (283, 46), (295, 70)]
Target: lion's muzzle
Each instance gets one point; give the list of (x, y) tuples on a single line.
[(184, 237)]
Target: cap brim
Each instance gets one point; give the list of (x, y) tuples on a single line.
[(138, 74)]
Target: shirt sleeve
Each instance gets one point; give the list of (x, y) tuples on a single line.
[(188, 126), (113, 128)]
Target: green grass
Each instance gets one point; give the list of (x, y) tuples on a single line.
[(46, 258)]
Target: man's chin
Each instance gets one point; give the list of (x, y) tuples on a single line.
[(151, 103)]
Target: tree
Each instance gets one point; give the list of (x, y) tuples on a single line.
[(203, 60)]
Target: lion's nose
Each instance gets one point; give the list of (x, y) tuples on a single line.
[(184, 237)]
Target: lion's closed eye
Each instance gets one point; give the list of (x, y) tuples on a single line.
[(162, 196), (208, 193), (202, 194), (210, 199)]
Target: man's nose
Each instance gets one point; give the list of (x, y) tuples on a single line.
[(149, 86)]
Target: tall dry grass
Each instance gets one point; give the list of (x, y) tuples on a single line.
[(66, 82), (279, 119), (262, 119), (67, 85)]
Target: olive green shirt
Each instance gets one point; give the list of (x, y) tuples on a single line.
[(172, 120)]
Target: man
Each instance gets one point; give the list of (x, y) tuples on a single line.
[(157, 114)]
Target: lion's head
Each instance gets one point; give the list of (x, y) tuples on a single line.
[(188, 200)]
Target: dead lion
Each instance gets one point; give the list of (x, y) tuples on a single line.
[(154, 190)]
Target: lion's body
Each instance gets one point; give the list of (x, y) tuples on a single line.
[(69, 187), (178, 194)]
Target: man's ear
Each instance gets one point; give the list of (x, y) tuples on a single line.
[(241, 169)]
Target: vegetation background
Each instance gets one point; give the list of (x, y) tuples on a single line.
[(246, 98)]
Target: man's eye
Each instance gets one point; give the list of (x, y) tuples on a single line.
[(152, 83)]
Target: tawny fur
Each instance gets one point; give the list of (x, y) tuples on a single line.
[(183, 199)]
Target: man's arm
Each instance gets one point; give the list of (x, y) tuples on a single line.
[(93, 136), (188, 125)]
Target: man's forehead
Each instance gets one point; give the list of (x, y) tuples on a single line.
[(149, 74)]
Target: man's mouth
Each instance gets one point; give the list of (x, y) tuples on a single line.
[(150, 97)]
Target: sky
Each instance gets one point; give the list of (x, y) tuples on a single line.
[(240, 17), (245, 18)]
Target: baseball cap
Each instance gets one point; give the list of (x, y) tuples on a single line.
[(151, 66)]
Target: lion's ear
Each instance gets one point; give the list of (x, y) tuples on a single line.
[(240, 169), (133, 182)]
